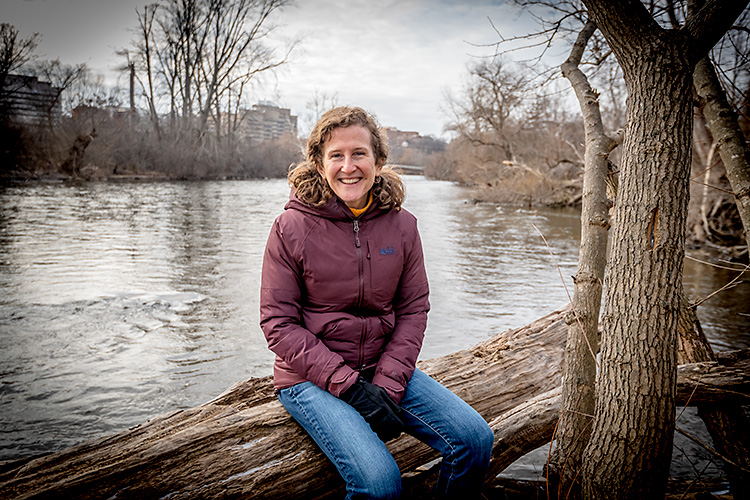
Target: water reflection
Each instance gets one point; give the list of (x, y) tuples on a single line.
[(488, 266), (725, 317), (124, 301)]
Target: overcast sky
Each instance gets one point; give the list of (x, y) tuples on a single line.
[(396, 58)]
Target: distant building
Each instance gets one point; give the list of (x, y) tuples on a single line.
[(266, 121), (26, 100), (95, 113), (401, 138), (410, 148)]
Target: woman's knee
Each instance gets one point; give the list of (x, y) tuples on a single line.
[(391, 492), (375, 483), (477, 441)]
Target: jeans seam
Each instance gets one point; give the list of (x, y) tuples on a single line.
[(324, 437)]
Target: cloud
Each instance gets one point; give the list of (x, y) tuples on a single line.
[(397, 58)]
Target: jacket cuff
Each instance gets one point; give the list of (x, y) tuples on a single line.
[(342, 380), (394, 389)]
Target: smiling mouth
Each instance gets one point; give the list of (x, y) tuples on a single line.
[(349, 181)]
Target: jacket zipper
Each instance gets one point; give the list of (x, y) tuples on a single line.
[(360, 265), (356, 233), (360, 296)]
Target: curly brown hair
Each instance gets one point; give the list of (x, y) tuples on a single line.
[(311, 186)]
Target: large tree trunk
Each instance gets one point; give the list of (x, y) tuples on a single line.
[(582, 345), (630, 448), (629, 452), (243, 444)]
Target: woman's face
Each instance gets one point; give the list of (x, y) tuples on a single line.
[(349, 164)]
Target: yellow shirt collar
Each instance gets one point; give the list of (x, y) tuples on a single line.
[(359, 211)]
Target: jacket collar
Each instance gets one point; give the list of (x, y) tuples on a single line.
[(333, 209)]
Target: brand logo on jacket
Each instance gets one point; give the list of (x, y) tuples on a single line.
[(387, 251)]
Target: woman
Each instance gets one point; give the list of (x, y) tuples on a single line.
[(344, 301)]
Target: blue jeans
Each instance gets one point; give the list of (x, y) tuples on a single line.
[(433, 415)]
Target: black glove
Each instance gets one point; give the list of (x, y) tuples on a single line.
[(377, 408)]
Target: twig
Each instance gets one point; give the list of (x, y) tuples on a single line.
[(728, 285), (699, 174), (580, 413), (697, 477), (687, 403), (715, 187), (559, 271), (710, 450), (715, 265)]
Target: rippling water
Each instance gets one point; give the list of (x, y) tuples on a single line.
[(123, 301)]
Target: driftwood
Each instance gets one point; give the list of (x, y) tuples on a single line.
[(243, 444)]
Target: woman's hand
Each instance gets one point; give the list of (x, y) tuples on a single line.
[(377, 408)]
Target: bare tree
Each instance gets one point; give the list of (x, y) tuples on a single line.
[(728, 425), (234, 52), (15, 52), (63, 78), (316, 106), (727, 134), (188, 18), (582, 345), (563, 15), (205, 55), (145, 59), (494, 93)]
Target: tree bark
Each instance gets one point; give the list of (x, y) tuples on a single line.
[(574, 428), (532, 424), (727, 424), (629, 452), (630, 448)]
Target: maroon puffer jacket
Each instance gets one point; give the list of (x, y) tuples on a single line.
[(341, 295)]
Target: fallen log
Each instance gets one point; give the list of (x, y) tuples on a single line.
[(243, 444)]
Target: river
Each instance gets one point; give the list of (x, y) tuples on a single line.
[(122, 301)]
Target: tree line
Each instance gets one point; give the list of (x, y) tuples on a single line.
[(191, 69)]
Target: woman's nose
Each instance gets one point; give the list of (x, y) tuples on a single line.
[(348, 165)]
